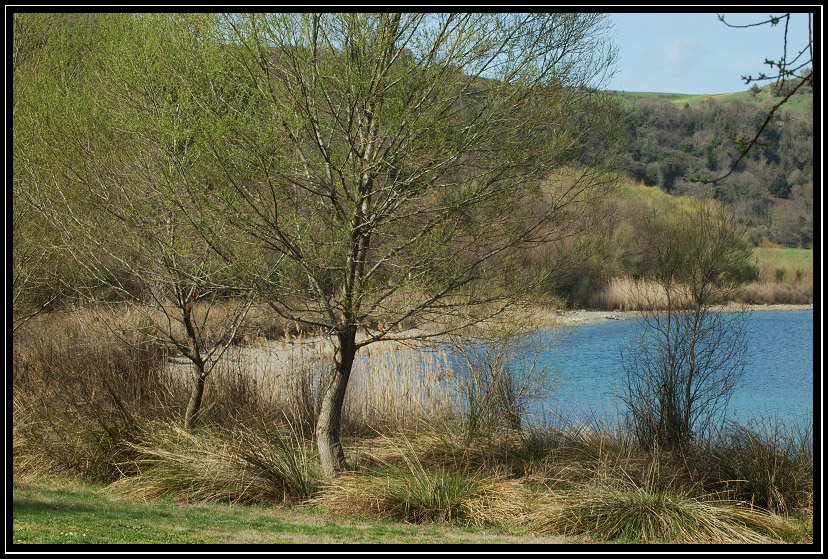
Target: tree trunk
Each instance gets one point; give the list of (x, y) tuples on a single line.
[(331, 455), (194, 406)]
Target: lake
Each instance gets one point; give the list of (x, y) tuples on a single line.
[(778, 378)]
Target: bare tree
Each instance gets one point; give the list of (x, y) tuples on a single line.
[(356, 170), (396, 163), (686, 361)]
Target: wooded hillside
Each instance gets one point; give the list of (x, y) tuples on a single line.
[(672, 139)]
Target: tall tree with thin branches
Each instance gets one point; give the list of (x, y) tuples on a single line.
[(397, 166)]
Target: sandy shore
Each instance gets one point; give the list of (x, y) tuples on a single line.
[(572, 317)]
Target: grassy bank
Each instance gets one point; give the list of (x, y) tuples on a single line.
[(574, 487), (92, 409)]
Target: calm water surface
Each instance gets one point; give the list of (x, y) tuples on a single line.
[(778, 379)]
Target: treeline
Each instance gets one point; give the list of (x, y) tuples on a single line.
[(122, 139), (676, 143)]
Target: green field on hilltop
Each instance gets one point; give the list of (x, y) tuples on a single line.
[(799, 105)]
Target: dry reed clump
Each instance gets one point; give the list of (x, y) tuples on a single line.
[(577, 453), (765, 463), (441, 444), (406, 490), (80, 393), (400, 479), (430, 496), (30, 460), (600, 486), (244, 465)]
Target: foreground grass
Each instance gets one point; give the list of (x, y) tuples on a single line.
[(68, 511)]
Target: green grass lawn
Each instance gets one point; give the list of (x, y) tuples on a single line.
[(63, 511), (783, 264), (797, 258)]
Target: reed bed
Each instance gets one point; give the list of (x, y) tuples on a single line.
[(391, 383), (240, 465), (785, 276), (775, 293), (630, 294), (400, 384)]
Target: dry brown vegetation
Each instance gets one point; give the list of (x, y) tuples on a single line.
[(780, 280), (785, 276), (88, 404)]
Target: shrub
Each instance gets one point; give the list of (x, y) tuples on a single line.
[(79, 399), (421, 495)]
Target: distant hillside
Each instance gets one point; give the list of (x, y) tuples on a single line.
[(673, 139), (767, 95)]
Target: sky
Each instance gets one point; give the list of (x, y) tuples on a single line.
[(695, 53)]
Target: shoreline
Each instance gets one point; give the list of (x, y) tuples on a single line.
[(275, 354), (584, 316)]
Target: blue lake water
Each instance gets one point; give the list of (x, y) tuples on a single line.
[(778, 379)]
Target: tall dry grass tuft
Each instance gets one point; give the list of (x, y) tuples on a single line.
[(626, 512), (765, 462), (406, 489), (600, 485), (244, 465), (440, 443)]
